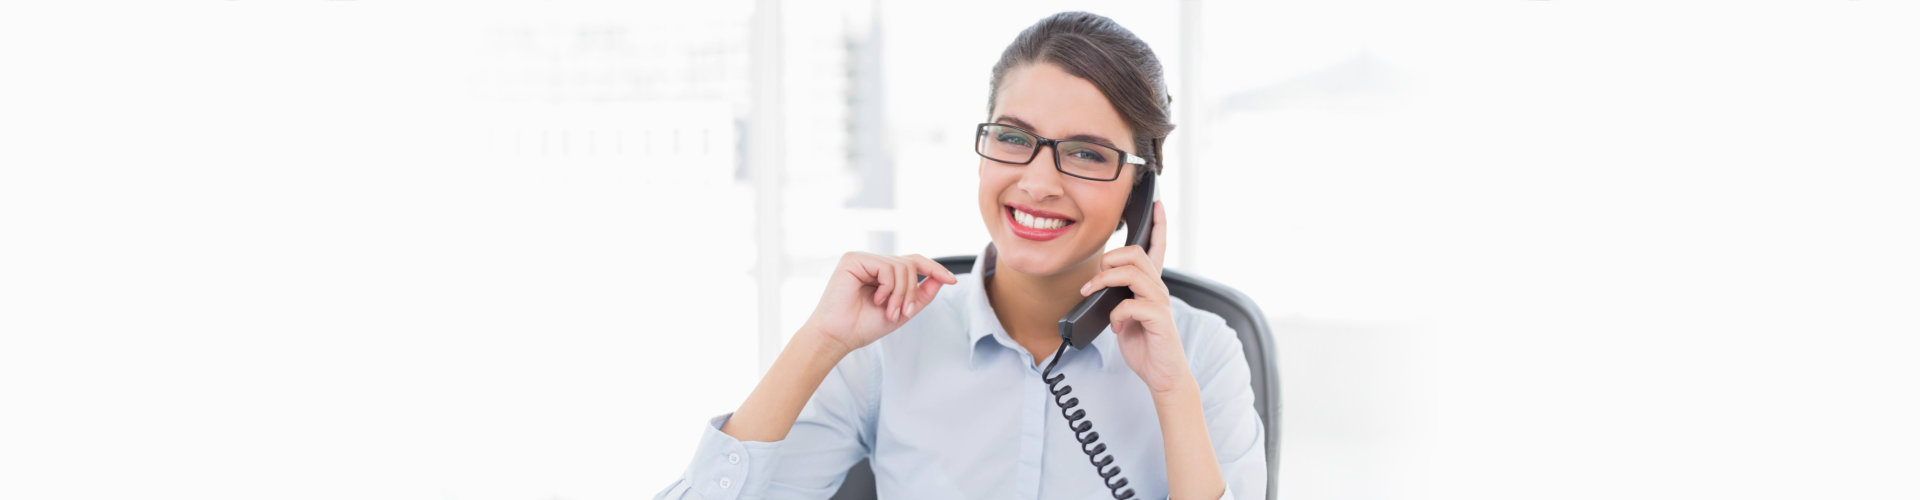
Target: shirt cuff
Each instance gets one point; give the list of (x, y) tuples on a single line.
[(725, 468)]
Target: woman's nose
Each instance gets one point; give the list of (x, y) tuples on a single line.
[(1041, 179)]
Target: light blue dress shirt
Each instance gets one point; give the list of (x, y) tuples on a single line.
[(950, 407)]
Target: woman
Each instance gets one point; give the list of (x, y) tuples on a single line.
[(939, 381)]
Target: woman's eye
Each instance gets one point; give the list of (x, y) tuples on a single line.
[(1015, 139), (1090, 155)]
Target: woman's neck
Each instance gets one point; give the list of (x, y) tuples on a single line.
[(1030, 306)]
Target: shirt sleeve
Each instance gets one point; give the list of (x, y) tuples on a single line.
[(1226, 396), (834, 431)]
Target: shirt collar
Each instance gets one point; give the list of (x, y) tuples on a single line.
[(984, 323)]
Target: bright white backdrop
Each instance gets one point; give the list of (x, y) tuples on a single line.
[(506, 250)]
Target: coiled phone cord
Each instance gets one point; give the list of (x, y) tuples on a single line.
[(1083, 429)]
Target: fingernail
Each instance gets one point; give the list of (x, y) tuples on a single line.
[(1083, 288), (909, 309)]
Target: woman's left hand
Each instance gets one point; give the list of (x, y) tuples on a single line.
[(1144, 323)]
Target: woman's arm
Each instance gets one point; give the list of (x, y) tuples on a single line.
[(770, 410), (1150, 342), (1218, 397), (867, 297), (1193, 471), (815, 392), (791, 453)]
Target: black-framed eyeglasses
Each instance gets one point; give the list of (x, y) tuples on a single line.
[(1017, 146)]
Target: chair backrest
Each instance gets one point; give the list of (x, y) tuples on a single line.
[(1235, 307)]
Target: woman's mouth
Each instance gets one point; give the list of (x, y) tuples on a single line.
[(1035, 227)]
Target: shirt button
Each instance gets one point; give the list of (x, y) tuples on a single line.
[(725, 483), (733, 458)]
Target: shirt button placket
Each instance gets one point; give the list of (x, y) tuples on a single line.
[(1033, 435), (733, 460)]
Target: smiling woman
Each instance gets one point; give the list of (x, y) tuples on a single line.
[(940, 388)]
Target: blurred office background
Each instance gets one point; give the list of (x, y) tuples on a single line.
[(523, 250)]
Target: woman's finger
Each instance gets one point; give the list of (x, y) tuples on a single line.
[(867, 273), (908, 299), (904, 274), (1131, 277), (912, 293), (936, 276), (929, 287), (1152, 316), (884, 279), (1106, 278), (932, 269), (886, 304), (1128, 256)]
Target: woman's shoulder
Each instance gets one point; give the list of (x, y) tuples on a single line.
[(1206, 336), (1199, 322)]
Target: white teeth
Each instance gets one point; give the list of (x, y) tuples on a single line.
[(1029, 220)]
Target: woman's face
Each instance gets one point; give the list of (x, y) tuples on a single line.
[(1052, 103)]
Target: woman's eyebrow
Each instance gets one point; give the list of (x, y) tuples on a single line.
[(1017, 122), (1093, 139)]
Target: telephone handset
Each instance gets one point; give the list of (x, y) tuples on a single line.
[(1083, 324)]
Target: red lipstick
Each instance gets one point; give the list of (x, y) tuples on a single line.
[(1032, 233)]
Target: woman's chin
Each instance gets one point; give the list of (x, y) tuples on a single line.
[(1032, 258)]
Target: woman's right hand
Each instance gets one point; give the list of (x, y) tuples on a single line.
[(871, 295)]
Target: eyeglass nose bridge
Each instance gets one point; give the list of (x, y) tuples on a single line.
[(1050, 145)]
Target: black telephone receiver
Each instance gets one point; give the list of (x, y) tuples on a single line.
[(1083, 324)]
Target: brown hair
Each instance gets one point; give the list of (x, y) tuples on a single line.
[(1098, 50)]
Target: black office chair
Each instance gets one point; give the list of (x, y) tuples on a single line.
[(1241, 314)]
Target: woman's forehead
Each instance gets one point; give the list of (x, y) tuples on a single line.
[(1053, 103)]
